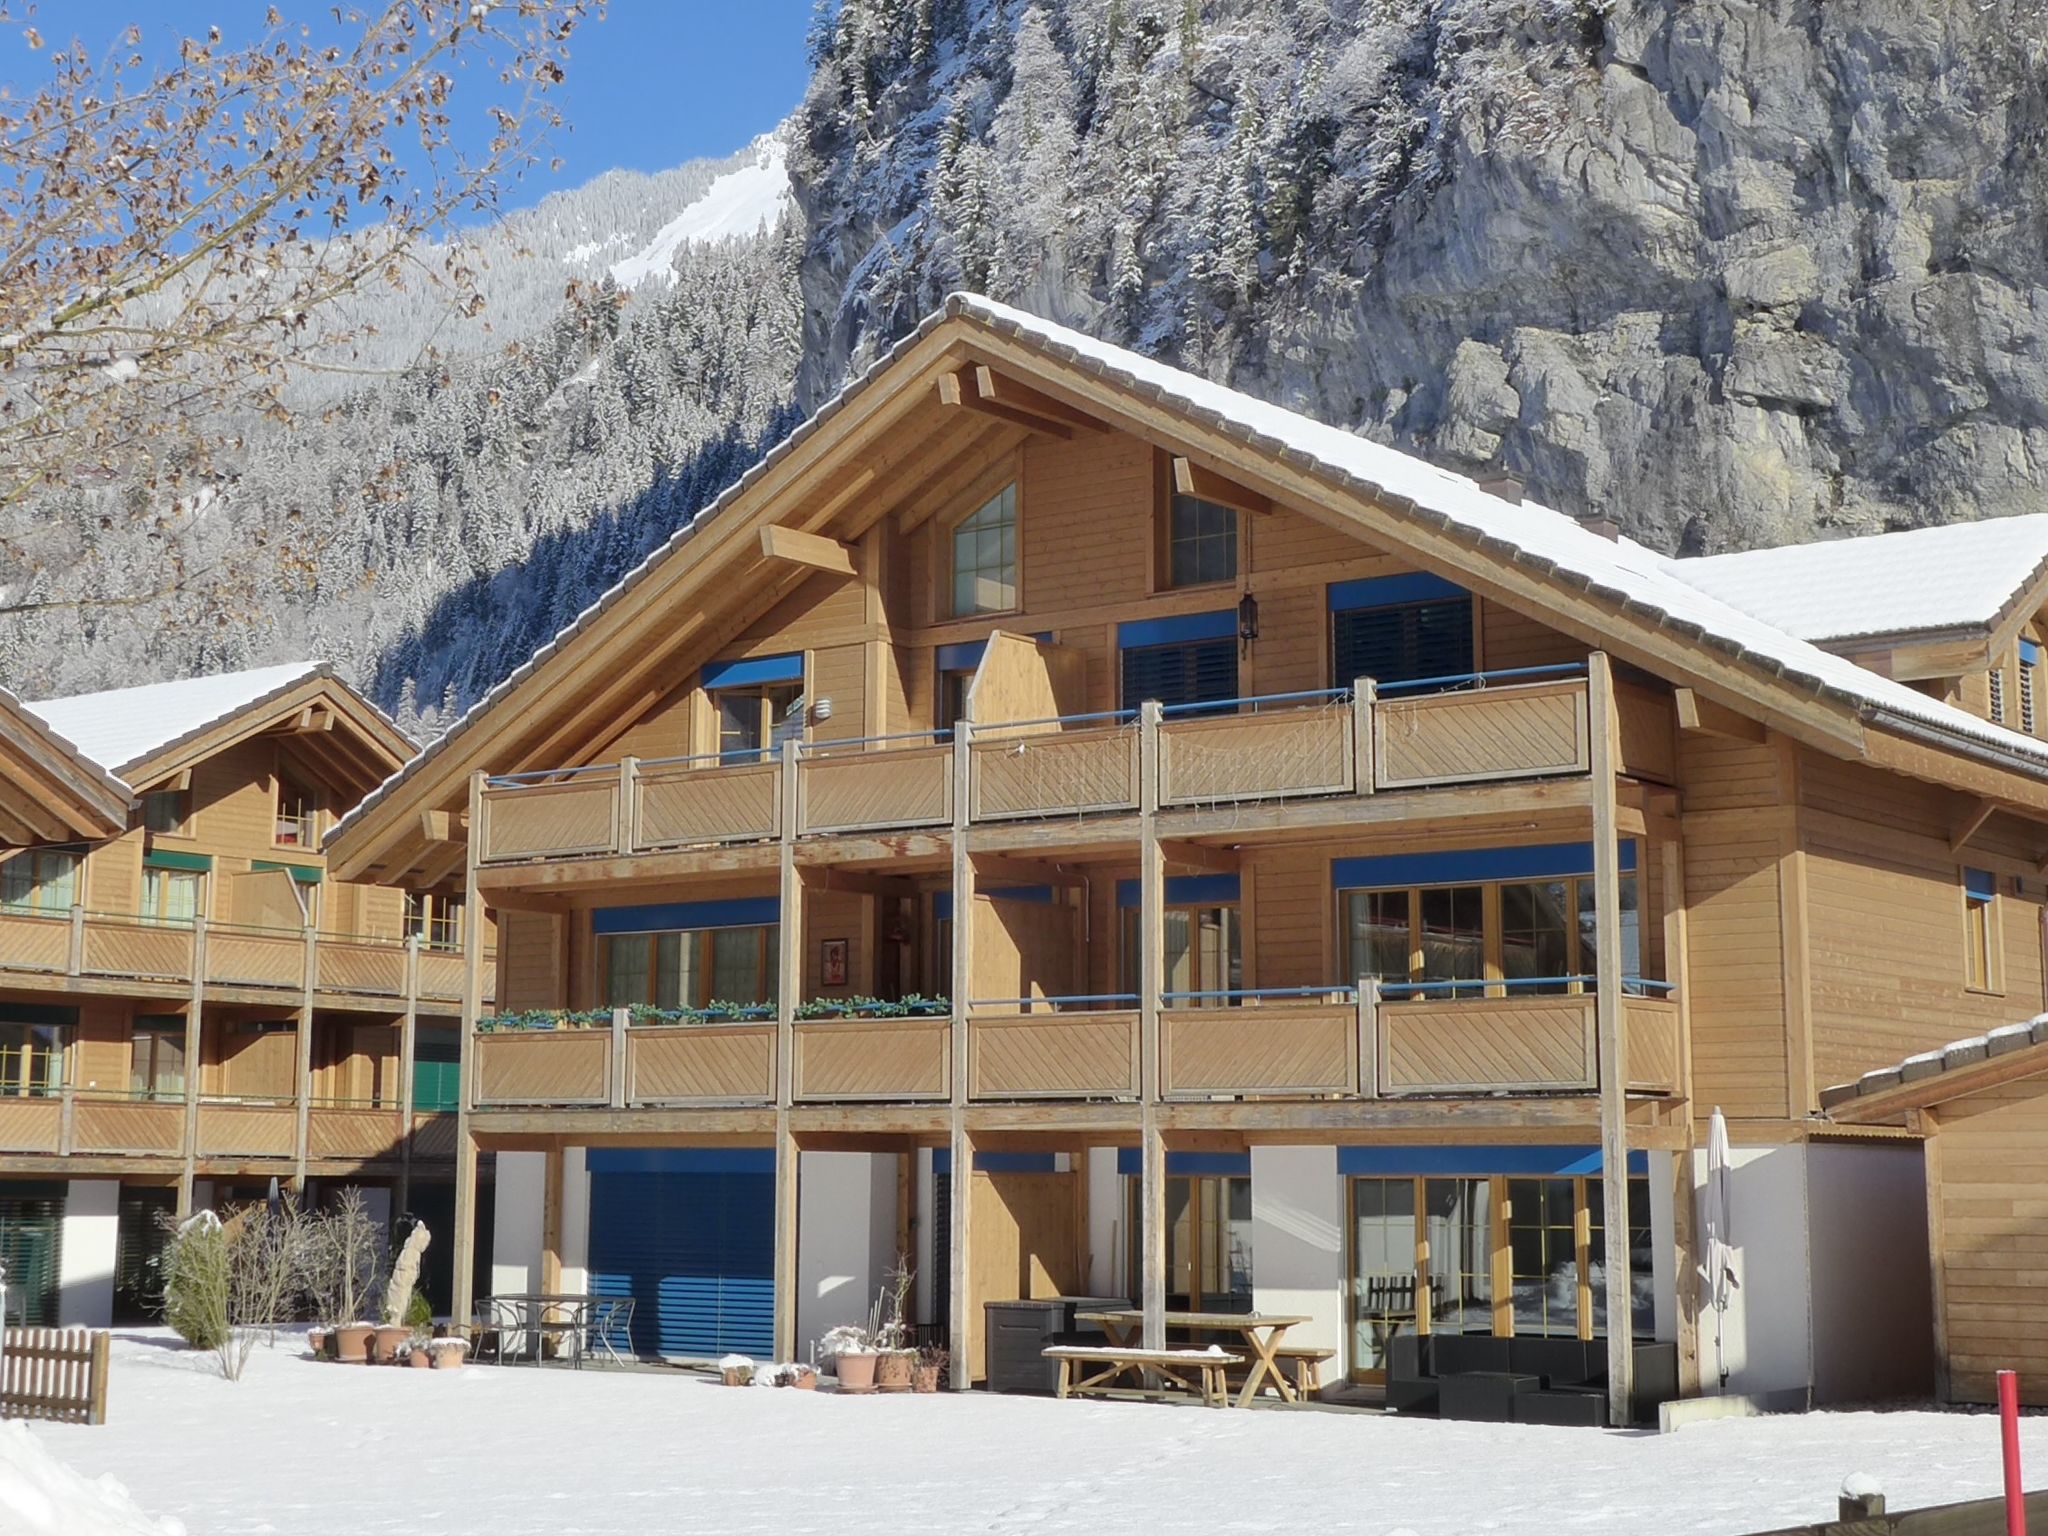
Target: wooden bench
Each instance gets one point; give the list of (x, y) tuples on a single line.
[(1306, 1361), (1204, 1366)]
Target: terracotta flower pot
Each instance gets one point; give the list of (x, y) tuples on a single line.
[(316, 1340), (804, 1379), (857, 1372), (924, 1378), (892, 1373), (352, 1342), (419, 1360), (448, 1356), (390, 1341)]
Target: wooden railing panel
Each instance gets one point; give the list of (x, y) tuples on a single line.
[(911, 787), (558, 1066), (1487, 1044), (143, 1126), (354, 965), (433, 1136), (56, 1375), (248, 1130), (873, 1059), (1256, 757), (700, 1063), (531, 821), (1056, 774), (255, 959), (30, 1125), (1286, 1048), (34, 943), (117, 948), (441, 974), (675, 806), (1652, 1025), (353, 1133), (1487, 733), (1053, 1056)]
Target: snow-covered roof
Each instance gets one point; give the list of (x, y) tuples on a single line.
[(1960, 576), (123, 726), (1535, 536), (1922, 1065)]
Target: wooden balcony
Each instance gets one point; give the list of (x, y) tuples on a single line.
[(851, 1059), (31, 1125), (702, 800), (1298, 744), (516, 1068), (248, 1128), (701, 1063), (1654, 1049), (1053, 1055), (875, 786), (354, 1133), (1281, 1044), (1054, 768), (1518, 731), (124, 1124)]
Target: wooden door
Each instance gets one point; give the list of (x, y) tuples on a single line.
[(1020, 1245)]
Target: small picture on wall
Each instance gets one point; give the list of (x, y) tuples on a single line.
[(832, 962)]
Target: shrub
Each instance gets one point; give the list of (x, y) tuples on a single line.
[(196, 1266)]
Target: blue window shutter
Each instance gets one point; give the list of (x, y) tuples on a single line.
[(1395, 644), (1196, 672)]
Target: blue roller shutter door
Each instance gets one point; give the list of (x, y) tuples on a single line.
[(690, 1236)]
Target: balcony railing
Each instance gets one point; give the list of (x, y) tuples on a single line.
[(1530, 722), (126, 947), (1291, 1042), (257, 1128), (92, 1122), (1053, 1048)]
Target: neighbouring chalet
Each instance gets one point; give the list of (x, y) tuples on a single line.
[(190, 1004), (1096, 832)]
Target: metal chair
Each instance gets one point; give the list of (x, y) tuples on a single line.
[(608, 1323)]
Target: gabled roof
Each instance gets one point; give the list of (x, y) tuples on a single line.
[(149, 732), (49, 790), (1934, 1077), (1957, 578), (1485, 538)]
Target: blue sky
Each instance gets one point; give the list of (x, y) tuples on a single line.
[(656, 83)]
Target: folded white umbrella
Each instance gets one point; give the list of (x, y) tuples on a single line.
[(1719, 1268)]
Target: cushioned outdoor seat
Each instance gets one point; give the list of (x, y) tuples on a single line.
[(1577, 1406), (1485, 1396)]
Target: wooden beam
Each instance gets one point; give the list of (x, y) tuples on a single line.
[(1192, 479), (1696, 713), (995, 389), (810, 549), (1611, 1044), (957, 390), (1217, 861), (827, 877), (1970, 823), (996, 866), (444, 827)]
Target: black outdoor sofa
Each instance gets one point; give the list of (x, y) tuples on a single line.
[(1520, 1381)]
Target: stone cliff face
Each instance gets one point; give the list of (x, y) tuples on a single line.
[(1730, 273)]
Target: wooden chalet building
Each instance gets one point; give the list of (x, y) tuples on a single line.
[(1099, 833), (190, 1005)]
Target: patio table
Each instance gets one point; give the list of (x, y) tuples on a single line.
[(1261, 1332), (537, 1315)]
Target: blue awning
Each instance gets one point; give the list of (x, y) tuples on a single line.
[(1392, 591), (1185, 891), (1177, 631), (755, 670), (666, 917), (1533, 861)]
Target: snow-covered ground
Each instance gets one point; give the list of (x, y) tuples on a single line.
[(311, 1449)]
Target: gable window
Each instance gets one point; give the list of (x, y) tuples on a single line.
[(2030, 664), (984, 556), (41, 880), (166, 810), (156, 1056), (298, 814), (1201, 542), (1181, 661), (1397, 629), (1980, 930), (758, 704)]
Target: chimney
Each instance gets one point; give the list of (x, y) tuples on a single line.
[(1606, 527), (1498, 482)]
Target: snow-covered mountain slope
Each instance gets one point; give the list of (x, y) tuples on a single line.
[(742, 202)]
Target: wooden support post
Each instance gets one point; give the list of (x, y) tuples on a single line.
[(616, 1077), (626, 828), (67, 1118), (303, 1084), (1369, 1037), (959, 1299), (1364, 696), (74, 954), (551, 1221), (463, 1301), (408, 1050), (789, 980), (1612, 1045), (786, 1236), (1684, 1202), (1151, 983), (195, 1009)]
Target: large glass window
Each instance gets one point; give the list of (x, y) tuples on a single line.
[(1382, 934), (32, 1057), (156, 1056), (434, 919), (1402, 642), (1642, 1287), (1537, 937), (1543, 1256), (1383, 1300), (753, 722), (985, 556), (1453, 933), (1208, 1242), (1201, 542), (691, 969), (1204, 953), (171, 895), (43, 880), (1191, 672), (1458, 1228)]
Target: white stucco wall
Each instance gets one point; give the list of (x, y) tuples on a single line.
[(1663, 1239), (1767, 1328), (1108, 1246), (1298, 1243), (846, 1225), (931, 1307), (575, 1222), (516, 1222), (85, 1271)]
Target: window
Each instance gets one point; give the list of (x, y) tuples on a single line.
[(1453, 933), (951, 702), (1397, 629), (166, 810), (41, 880), (435, 919), (1204, 953), (691, 969), (170, 896), (1980, 930), (1543, 1256), (1642, 1289), (32, 1055), (2030, 663), (1201, 542), (1208, 1241), (1191, 659), (754, 722), (298, 814), (1434, 933), (156, 1056), (1382, 1268), (1458, 1226), (985, 556), (1995, 680), (1509, 937)]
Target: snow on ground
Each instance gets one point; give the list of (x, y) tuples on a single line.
[(741, 202), (40, 1496), (313, 1449)]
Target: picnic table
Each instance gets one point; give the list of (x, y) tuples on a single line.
[(1260, 1331), (536, 1317)]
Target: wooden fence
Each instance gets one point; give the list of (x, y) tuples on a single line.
[(54, 1373), (1979, 1517)]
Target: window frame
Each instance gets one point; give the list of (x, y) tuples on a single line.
[(33, 904), (1983, 930), (156, 877), (1130, 960), (436, 920), (23, 1043), (1494, 981), (947, 569), (179, 825), (1167, 577), (291, 789), (776, 706), (1335, 618), (1206, 1219), (156, 1029), (700, 968)]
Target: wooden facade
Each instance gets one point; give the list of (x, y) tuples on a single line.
[(976, 806)]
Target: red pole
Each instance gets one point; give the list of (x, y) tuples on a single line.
[(2009, 1425)]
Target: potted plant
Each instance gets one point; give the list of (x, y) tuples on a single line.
[(736, 1370), (929, 1371), (447, 1354), (851, 1349), (352, 1342), (416, 1356)]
